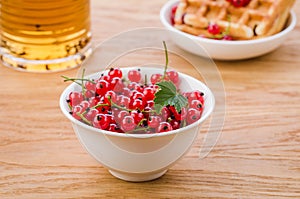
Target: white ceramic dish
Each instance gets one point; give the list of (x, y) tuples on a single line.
[(139, 157), (224, 50)]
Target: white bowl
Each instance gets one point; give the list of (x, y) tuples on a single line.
[(139, 157), (220, 49)]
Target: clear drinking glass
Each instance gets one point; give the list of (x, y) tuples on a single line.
[(44, 35)]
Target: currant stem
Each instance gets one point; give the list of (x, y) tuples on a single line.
[(69, 105), (150, 111), (146, 79), (167, 60), (70, 79), (142, 120), (117, 106), (183, 124), (66, 79), (93, 107), (84, 119), (138, 129), (99, 105), (125, 80), (82, 84)]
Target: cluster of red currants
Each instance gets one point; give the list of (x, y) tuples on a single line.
[(126, 105)]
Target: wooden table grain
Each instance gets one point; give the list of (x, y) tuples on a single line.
[(256, 156)]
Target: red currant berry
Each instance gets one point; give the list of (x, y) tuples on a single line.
[(186, 94), (126, 92), (104, 109), (165, 113), (76, 111), (213, 29), (132, 93), (128, 123), (174, 8), (93, 101), (134, 75), (75, 98), (196, 95), (90, 86), (137, 116), (137, 104), (124, 102), (132, 85), (89, 94), (173, 76), (115, 72), (155, 78), (114, 128), (91, 114), (102, 87), (246, 2), (120, 116), (139, 88), (101, 121), (154, 87), (110, 96), (137, 95), (149, 93), (174, 112), (119, 98), (115, 111), (111, 118), (117, 85), (154, 121), (196, 104), (147, 112), (106, 78), (192, 116), (150, 103), (175, 124), (227, 38), (164, 127), (85, 104), (240, 3)]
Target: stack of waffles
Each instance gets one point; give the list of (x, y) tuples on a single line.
[(260, 18)]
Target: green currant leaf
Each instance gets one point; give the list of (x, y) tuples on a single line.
[(179, 101), (168, 95)]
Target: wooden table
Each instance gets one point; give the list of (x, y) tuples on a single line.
[(256, 156)]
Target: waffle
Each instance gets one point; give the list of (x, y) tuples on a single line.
[(260, 18)]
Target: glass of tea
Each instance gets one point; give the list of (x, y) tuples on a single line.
[(44, 35)]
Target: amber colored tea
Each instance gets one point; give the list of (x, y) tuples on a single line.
[(44, 35)]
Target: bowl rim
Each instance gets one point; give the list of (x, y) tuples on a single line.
[(168, 5), (66, 91)]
